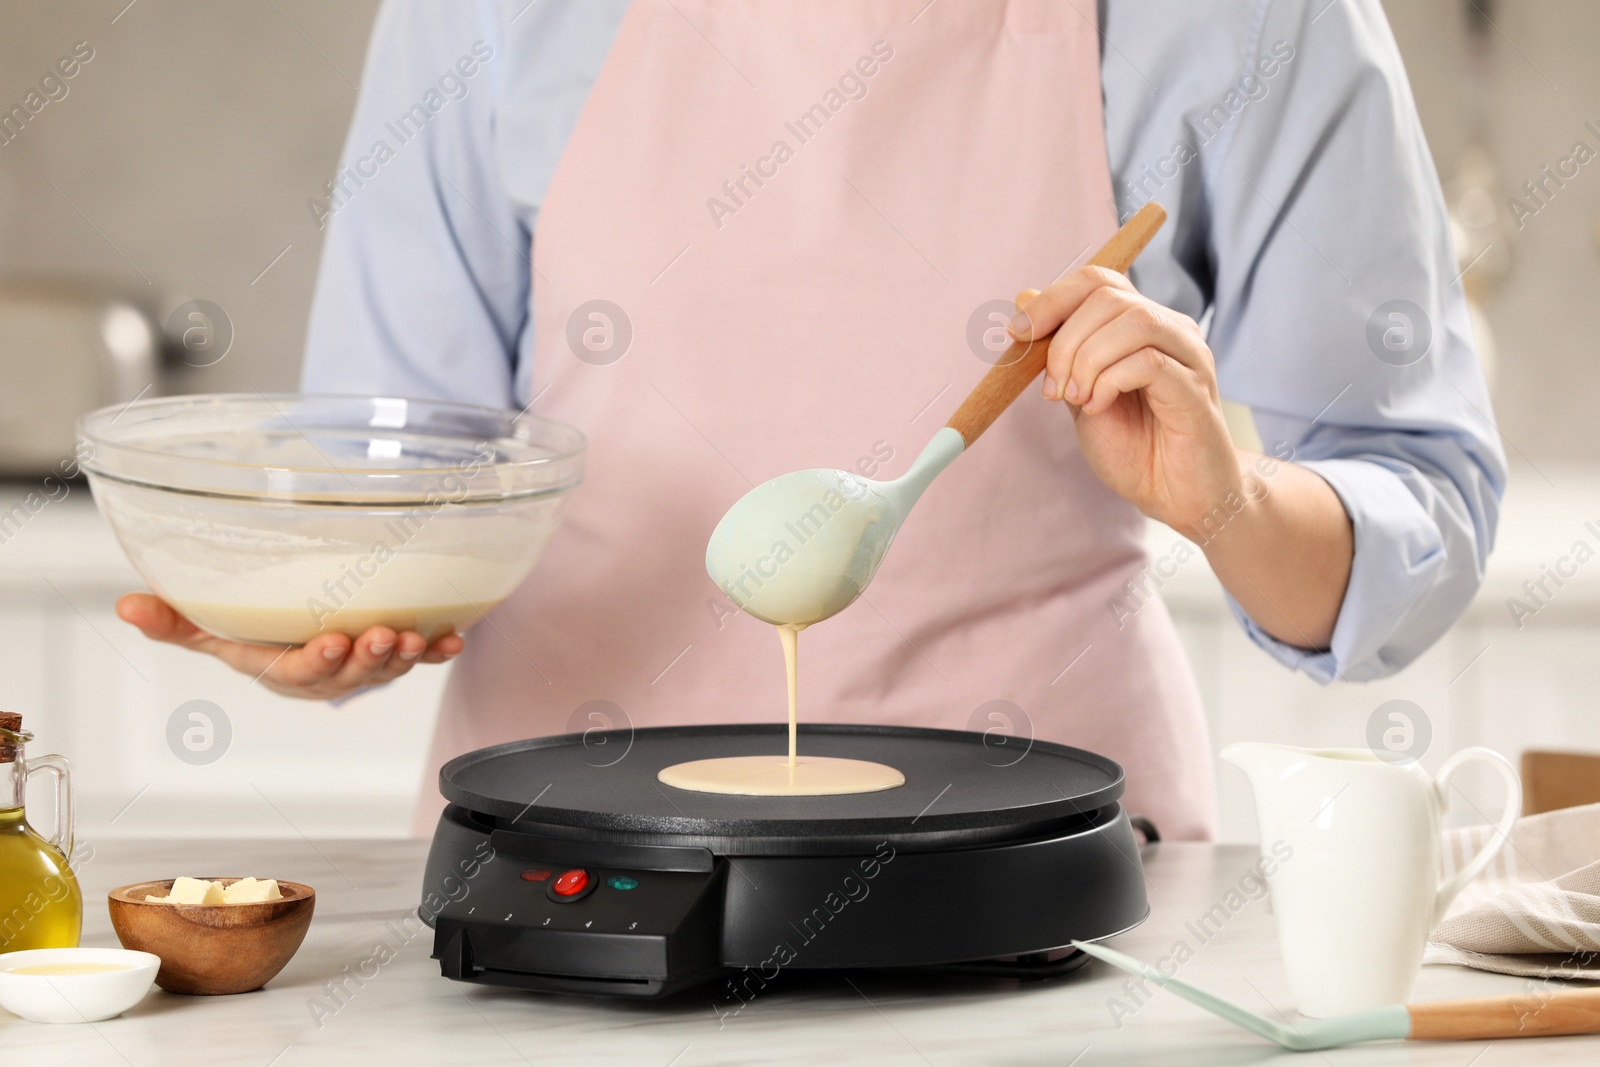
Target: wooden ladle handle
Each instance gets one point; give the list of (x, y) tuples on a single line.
[(1526, 1015), (1024, 360)]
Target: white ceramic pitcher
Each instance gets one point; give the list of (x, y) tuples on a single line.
[(1360, 893)]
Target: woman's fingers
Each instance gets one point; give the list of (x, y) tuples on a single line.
[(313, 664), (1049, 309), (408, 650), (1138, 325), (1098, 317), (410, 647), (446, 647), (156, 619), (327, 665), (381, 655), (159, 621), (1147, 369), (1099, 309), (369, 656)]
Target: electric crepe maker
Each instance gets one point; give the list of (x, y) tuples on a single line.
[(562, 864)]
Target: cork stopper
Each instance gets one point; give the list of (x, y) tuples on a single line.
[(10, 729)]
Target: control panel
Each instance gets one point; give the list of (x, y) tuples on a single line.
[(580, 899), (511, 909)]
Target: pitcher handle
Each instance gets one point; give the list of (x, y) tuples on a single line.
[(61, 837), (1502, 829)]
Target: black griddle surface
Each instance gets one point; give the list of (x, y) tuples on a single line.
[(954, 782)]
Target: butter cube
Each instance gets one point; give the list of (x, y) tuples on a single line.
[(195, 891), (252, 891)]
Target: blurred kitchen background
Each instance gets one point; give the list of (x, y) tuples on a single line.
[(154, 228)]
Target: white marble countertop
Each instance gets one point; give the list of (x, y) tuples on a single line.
[(407, 1014)]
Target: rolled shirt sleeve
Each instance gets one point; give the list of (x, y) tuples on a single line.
[(1310, 225)]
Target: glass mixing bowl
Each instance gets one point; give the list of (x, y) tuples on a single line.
[(273, 518)]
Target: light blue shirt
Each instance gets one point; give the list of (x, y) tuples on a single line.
[(1280, 135)]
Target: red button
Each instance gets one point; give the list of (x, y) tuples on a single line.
[(572, 882), (535, 876)]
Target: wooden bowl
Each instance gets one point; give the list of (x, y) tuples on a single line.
[(210, 949)]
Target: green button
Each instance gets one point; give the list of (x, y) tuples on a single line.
[(622, 883)]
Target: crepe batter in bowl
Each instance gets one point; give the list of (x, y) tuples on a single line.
[(270, 519)]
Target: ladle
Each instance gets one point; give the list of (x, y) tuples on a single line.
[(803, 546), (1527, 1014)]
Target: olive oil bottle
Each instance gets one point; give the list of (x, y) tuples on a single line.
[(40, 903)]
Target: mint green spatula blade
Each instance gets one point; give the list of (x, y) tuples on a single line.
[(1392, 1022)]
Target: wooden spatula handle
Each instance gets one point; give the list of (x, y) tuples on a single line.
[(1528, 1015), (1023, 361)]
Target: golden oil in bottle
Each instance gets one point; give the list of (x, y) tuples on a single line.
[(40, 903)]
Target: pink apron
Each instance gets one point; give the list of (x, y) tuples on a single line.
[(792, 210)]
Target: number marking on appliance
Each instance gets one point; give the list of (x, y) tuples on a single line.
[(633, 926), (588, 924), (545, 923), (507, 918)]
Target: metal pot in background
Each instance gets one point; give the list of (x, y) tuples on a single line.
[(66, 348)]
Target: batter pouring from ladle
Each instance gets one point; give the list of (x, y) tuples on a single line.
[(779, 776), (846, 527)]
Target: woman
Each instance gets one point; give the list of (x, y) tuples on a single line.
[(729, 240)]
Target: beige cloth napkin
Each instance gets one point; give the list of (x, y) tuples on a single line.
[(1535, 911)]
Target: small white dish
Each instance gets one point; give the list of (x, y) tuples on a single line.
[(75, 997)]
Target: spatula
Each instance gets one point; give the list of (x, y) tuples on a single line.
[(803, 546), (1478, 1019)]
